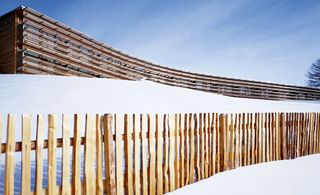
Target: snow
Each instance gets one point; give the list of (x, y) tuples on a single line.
[(294, 177), (54, 94), (35, 94)]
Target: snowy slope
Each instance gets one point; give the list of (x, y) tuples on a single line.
[(53, 94), (292, 177)]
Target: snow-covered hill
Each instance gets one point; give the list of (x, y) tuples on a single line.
[(54, 94)]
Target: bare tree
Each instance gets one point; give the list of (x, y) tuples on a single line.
[(313, 74)]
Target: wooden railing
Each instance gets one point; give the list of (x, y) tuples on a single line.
[(148, 154)]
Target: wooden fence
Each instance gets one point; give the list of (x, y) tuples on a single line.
[(150, 154)]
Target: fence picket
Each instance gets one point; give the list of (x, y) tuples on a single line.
[(159, 132), (26, 151), (176, 151), (39, 154), (171, 151), (89, 166), (109, 155), (166, 154), (182, 150), (99, 156), (65, 154), (10, 153), (128, 155), (119, 172), (192, 148), (52, 164), (144, 155), (152, 155), (76, 161)]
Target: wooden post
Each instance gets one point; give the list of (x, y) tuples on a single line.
[(109, 155), (128, 155), (187, 148), (192, 131), (10, 153), (222, 129), (52, 145), (166, 154), (152, 156), (66, 155), (119, 172), (90, 145), (144, 155), (137, 174), (171, 152), (26, 153), (176, 152), (76, 162), (99, 178), (39, 154), (182, 149), (159, 132)]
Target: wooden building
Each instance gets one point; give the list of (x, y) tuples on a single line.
[(32, 43)]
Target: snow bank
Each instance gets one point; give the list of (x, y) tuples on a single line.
[(294, 177), (54, 94)]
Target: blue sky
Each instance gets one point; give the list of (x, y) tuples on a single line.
[(257, 40)]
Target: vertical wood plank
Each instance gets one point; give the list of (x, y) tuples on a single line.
[(136, 133), (128, 155), (76, 162), (65, 155), (152, 155), (39, 154), (89, 166), (166, 154), (52, 164), (159, 130), (144, 155), (171, 151), (201, 161), (99, 178), (222, 141), (119, 153), (192, 152), (217, 143), (26, 152), (231, 142), (10, 153), (109, 155), (187, 147), (182, 150), (176, 151), (206, 147), (210, 144)]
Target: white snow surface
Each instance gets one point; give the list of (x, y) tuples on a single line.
[(294, 177), (56, 94)]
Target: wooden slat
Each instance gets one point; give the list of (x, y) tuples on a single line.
[(152, 155), (217, 136), (26, 151), (237, 137), (39, 154), (231, 145), (197, 140), (176, 151), (136, 131), (222, 141), (186, 130), (76, 159), (182, 150), (52, 164), (192, 154), (99, 178), (202, 146), (119, 172), (128, 155), (209, 138), (171, 152), (89, 166), (166, 154), (10, 159), (109, 155), (66, 154), (159, 133), (144, 155)]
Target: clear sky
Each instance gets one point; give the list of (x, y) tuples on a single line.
[(258, 40)]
